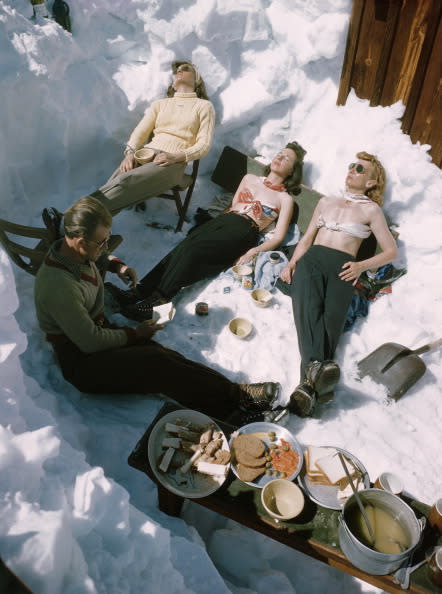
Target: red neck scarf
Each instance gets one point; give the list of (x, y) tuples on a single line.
[(277, 188)]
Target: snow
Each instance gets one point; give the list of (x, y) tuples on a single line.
[(74, 517)]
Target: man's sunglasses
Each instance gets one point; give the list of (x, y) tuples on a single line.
[(100, 244), (359, 168)]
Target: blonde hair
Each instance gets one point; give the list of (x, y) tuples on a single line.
[(83, 217), (376, 192)]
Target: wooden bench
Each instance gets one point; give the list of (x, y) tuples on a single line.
[(314, 533)]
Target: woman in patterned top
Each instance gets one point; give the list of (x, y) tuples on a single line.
[(259, 204)]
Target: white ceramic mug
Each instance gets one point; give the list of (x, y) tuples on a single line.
[(389, 482)]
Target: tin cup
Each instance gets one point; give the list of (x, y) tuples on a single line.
[(389, 482), (201, 308), (435, 567), (435, 515)]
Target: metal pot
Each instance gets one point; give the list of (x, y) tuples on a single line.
[(362, 556)]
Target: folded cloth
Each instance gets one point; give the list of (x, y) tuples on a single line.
[(266, 272), (371, 286)]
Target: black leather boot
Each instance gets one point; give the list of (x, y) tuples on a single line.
[(303, 400), (323, 376)]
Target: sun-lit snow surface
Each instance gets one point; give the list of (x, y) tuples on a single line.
[(74, 517)]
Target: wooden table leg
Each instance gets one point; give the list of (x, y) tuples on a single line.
[(168, 502)]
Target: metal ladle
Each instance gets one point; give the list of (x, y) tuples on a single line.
[(358, 499), (401, 545)]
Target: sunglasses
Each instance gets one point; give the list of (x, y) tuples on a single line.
[(183, 68), (357, 166), (100, 244)]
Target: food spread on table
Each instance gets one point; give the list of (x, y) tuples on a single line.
[(188, 453), (264, 451), (324, 478), (197, 448)]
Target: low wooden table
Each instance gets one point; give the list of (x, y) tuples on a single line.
[(315, 532)]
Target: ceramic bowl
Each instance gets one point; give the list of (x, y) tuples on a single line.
[(241, 270), (240, 327), (282, 499), (261, 297), (144, 155)]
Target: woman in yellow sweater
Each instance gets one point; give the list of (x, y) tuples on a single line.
[(179, 128)]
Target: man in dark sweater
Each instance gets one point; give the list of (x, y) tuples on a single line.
[(98, 357)]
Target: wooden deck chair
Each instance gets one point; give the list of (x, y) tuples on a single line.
[(174, 194), (30, 258)]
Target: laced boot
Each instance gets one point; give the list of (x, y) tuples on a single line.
[(122, 296), (258, 397), (303, 400), (323, 376), (143, 310)]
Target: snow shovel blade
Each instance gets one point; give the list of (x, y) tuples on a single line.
[(394, 366)]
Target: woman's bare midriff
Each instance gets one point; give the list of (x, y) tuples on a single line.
[(338, 240)]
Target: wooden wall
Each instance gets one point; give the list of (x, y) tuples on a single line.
[(394, 52)]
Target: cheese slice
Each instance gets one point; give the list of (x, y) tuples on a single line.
[(166, 459), (212, 469)]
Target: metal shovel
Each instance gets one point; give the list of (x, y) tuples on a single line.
[(396, 367)]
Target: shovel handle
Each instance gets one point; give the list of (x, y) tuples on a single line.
[(428, 347)]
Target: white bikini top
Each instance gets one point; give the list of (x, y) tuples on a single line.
[(353, 229)]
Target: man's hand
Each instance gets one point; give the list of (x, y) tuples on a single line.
[(128, 275), (286, 273), (148, 328), (351, 271), (165, 159), (127, 163)]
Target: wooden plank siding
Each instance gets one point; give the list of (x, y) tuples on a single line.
[(394, 53)]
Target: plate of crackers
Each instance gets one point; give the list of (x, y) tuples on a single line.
[(188, 453), (323, 477), (264, 451)]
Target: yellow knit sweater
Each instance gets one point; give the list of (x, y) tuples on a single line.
[(183, 122)]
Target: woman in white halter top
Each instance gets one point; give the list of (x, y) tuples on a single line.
[(323, 271)]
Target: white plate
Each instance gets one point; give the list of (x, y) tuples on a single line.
[(262, 429), (327, 496), (191, 484)]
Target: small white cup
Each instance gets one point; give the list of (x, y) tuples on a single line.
[(240, 327), (282, 499), (144, 155), (389, 482), (241, 270)]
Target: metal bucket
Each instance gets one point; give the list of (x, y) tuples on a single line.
[(362, 556)]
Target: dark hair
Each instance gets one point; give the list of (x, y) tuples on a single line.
[(200, 87), (83, 217), (293, 181)]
